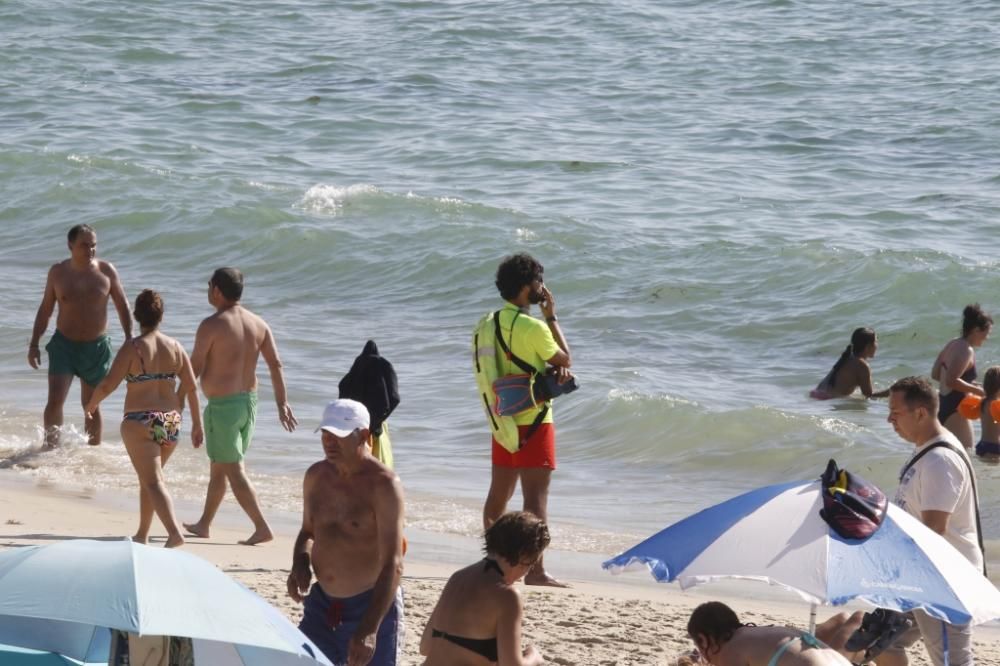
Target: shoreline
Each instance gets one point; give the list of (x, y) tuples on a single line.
[(602, 619)]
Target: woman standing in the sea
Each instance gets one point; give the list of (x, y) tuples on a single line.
[(955, 370)]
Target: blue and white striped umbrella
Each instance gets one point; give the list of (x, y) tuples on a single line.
[(776, 535)]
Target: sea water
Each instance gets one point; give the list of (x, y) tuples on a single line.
[(720, 192)]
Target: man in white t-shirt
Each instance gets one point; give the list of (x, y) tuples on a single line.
[(937, 490)]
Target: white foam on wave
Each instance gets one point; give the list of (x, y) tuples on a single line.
[(330, 199)]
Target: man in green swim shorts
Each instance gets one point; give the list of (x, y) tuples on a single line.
[(80, 346), (226, 350)]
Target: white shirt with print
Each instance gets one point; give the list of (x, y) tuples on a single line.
[(939, 481)]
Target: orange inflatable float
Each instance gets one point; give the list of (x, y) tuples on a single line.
[(969, 407)]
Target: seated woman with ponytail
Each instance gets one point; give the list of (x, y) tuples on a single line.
[(851, 370)]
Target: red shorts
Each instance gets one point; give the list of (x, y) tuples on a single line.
[(539, 451)]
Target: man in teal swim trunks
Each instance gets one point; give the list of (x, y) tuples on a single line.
[(226, 350), (80, 346)]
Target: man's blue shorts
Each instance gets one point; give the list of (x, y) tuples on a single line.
[(330, 622)]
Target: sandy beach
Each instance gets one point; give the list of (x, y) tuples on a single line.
[(603, 620)]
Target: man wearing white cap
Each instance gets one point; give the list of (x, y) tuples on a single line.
[(351, 537)]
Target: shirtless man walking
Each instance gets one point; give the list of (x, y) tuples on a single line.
[(80, 346), (226, 349), (351, 537)]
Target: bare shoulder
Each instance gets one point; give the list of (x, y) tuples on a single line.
[(58, 269), (316, 470), (209, 324), (107, 268), (256, 320), (384, 480), (508, 598)]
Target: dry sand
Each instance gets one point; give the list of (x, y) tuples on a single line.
[(602, 620)]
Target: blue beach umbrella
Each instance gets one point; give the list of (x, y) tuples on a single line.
[(14, 656), (67, 597), (776, 535)]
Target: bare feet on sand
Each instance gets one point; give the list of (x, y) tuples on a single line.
[(543, 579), (174, 542), (260, 536), (195, 529), (140, 538)]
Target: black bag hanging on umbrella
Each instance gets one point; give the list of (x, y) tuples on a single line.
[(852, 506)]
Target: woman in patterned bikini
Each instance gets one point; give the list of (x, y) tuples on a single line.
[(151, 365)]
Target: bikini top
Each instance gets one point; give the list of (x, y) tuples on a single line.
[(485, 647), (146, 376)]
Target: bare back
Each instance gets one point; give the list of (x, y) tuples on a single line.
[(82, 296), (990, 428), (227, 348), (154, 354), (469, 607), (754, 646), (347, 516)]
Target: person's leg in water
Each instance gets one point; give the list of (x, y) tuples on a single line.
[(93, 424), (52, 418), (145, 455), (535, 488)]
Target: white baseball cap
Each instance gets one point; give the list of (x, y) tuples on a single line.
[(342, 417)]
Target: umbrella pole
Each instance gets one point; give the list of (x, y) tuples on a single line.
[(812, 618)]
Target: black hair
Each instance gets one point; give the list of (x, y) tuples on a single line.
[(229, 281), (517, 536), (148, 309), (917, 392), (714, 620), (973, 317), (77, 230), (860, 339), (515, 272)]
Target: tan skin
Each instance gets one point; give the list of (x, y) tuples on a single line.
[(81, 286), (754, 646), (227, 347), (351, 535), (990, 429), (480, 603), (917, 426), (949, 366), (159, 353), (855, 374), (534, 481)]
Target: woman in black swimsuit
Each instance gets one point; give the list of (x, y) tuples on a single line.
[(955, 369), (477, 620)]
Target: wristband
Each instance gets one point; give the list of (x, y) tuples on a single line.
[(552, 319)]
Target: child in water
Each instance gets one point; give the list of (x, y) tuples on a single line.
[(989, 440), (851, 370)]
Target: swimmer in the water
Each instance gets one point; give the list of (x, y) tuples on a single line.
[(851, 370)]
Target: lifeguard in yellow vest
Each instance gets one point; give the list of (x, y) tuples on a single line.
[(521, 344)]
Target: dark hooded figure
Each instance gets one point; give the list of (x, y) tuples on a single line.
[(372, 382)]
